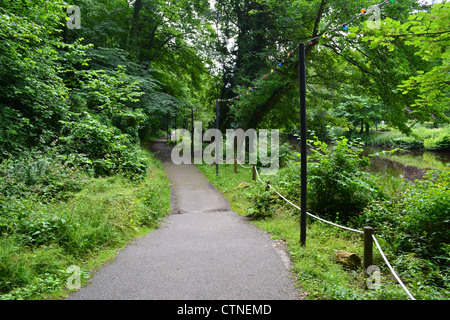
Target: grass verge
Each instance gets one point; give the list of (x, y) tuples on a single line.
[(40, 238)]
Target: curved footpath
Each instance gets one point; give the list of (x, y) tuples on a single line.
[(203, 250)]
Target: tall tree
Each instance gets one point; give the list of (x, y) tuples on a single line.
[(32, 93), (426, 34), (372, 72)]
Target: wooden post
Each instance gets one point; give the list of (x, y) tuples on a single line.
[(235, 164), (303, 132), (254, 173), (368, 247)]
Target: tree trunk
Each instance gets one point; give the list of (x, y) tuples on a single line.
[(135, 22)]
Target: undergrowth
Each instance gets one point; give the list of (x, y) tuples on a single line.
[(53, 216)]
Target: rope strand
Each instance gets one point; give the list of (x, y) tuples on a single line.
[(392, 269)]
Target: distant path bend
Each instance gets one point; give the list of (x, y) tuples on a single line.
[(203, 250)]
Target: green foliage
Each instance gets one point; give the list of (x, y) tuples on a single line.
[(338, 188), (110, 97), (419, 138), (415, 217), (39, 240), (49, 72), (12, 273), (349, 77), (31, 90), (106, 150), (44, 175), (440, 142), (262, 202), (427, 32), (337, 184)]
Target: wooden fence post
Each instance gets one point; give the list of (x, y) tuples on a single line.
[(254, 173), (235, 164), (368, 248)]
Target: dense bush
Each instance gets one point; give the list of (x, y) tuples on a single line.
[(263, 202), (420, 137), (32, 94), (337, 184), (105, 149), (428, 217), (416, 217), (441, 142)]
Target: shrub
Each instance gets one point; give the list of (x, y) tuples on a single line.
[(425, 228), (414, 217), (337, 185), (262, 202), (107, 148), (440, 142)]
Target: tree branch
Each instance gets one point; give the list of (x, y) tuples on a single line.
[(353, 62), (316, 25), (416, 34)]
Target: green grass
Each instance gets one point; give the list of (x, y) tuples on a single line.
[(40, 239), (421, 137), (318, 274)]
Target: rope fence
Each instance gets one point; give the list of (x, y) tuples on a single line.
[(392, 269), (336, 225)]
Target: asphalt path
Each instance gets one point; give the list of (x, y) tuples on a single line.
[(202, 251)]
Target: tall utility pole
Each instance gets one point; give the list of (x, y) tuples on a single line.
[(192, 132), (217, 138), (303, 132)]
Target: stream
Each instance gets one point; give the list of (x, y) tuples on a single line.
[(407, 164)]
